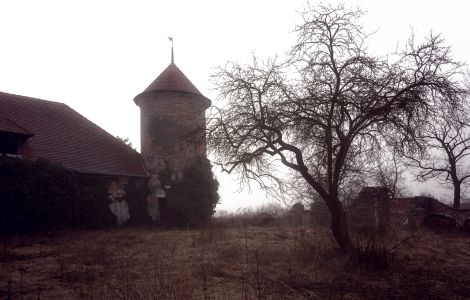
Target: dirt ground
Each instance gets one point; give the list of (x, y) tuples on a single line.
[(234, 262)]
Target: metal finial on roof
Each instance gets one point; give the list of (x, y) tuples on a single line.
[(172, 55)]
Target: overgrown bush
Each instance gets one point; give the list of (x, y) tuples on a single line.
[(373, 254), (40, 195), (137, 191), (92, 202), (192, 200)]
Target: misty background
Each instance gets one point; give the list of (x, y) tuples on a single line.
[(96, 56)]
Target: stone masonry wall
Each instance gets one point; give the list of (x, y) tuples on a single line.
[(172, 138), (370, 211)]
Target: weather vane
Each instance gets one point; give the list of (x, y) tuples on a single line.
[(170, 38)]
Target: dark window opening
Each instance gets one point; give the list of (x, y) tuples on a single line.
[(9, 143)]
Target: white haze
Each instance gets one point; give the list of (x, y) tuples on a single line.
[(96, 56)]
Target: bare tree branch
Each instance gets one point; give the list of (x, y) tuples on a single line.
[(328, 106), (446, 138)]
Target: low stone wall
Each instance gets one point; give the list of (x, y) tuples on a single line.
[(373, 211), (408, 213), (412, 212), (370, 211), (443, 217)]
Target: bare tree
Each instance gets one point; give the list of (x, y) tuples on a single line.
[(323, 109), (446, 144), (390, 171)]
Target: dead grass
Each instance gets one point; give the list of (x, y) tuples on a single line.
[(230, 262)]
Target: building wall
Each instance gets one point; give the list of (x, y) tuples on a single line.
[(128, 198), (370, 211), (118, 197), (172, 138)]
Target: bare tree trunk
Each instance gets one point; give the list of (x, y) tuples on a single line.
[(339, 225), (456, 203)]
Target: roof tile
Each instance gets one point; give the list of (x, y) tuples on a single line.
[(7, 125), (64, 136), (172, 79)]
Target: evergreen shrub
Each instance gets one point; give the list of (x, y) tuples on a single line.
[(192, 200)]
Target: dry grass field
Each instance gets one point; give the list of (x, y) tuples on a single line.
[(231, 262)]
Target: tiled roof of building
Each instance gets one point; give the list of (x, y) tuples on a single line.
[(7, 125), (64, 136), (172, 79)]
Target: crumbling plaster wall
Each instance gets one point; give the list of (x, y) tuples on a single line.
[(118, 196), (173, 139)]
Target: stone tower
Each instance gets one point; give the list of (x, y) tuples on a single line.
[(172, 129)]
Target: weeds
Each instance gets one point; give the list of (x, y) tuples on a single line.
[(266, 215), (312, 249), (210, 235), (244, 262), (373, 254)]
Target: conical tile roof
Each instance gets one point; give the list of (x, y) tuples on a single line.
[(172, 79)]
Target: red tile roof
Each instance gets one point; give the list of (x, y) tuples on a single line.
[(172, 79), (64, 136), (7, 125)]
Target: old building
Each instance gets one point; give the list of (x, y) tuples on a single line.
[(32, 128), (375, 211), (172, 112), (370, 211), (173, 124)]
